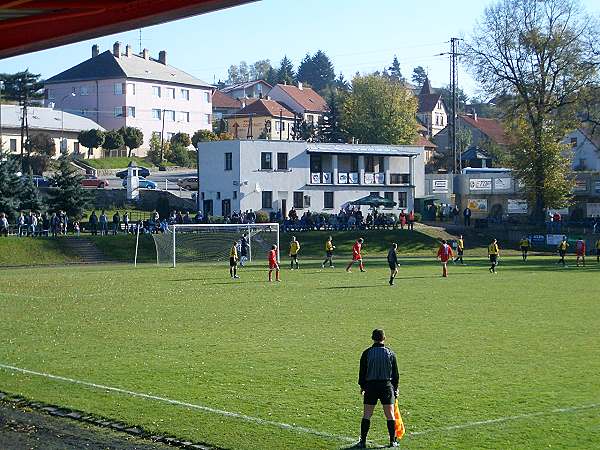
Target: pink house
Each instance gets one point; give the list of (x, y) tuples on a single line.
[(120, 88)]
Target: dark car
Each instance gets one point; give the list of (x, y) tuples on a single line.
[(142, 172)]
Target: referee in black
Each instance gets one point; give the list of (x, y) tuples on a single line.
[(378, 379)]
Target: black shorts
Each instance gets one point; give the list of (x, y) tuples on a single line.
[(460, 252), (329, 254), (524, 249), (294, 256), (379, 390), (598, 251), (232, 262), (392, 266), (562, 253), (494, 258)]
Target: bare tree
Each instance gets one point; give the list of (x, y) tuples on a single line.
[(543, 55)]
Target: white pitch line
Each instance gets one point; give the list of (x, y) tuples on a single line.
[(285, 426), (292, 427)]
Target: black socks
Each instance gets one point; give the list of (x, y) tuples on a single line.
[(391, 425), (365, 424)]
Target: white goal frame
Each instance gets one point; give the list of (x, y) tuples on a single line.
[(238, 226)]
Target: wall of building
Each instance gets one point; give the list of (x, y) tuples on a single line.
[(583, 153), (11, 138)]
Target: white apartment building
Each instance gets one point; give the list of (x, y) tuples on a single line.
[(278, 175)]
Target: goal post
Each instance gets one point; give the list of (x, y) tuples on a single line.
[(196, 243)]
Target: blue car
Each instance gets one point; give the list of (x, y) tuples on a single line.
[(143, 183)]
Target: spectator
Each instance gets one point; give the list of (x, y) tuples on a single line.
[(411, 220), (186, 218), (103, 224), (77, 228), (93, 223), (116, 222), (3, 225), (402, 219), (178, 218), (45, 224), (455, 213), (21, 225), (126, 221), (54, 223), (467, 216), (556, 221), (32, 223)]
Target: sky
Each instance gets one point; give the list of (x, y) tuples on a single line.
[(358, 36)]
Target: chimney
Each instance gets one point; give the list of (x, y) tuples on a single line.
[(117, 49), (128, 51), (145, 54), (95, 50), (300, 85), (162, 57), (474, 115)]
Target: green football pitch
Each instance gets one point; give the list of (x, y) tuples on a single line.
[(486, 361)]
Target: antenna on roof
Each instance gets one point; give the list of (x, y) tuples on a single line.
[(140, 41)]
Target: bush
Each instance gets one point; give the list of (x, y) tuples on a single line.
[(179, 155), (215, 219), (418, 217), (262, 217)]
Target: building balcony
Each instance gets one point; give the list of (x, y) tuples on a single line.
[(321, 178), (399, 178), (348, 178)]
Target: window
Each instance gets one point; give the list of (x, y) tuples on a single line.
[(315, 164), (218, 196), (310, 119), (573, 142), (185, 94), (51, 93), (184, 116), (76, 147), (282, 161), (369, 164), (207, 118), (228, 161), (399, 178), (389, 196), (156, 91), (169, 136), (234, 195), (171, 93), (169, 115), (279, 126), (131, 88), (328, 200), (267, 199), (207, 96), (156, 114), (266, 161), (13, 145), (84, 112), (118, 111), (84, 90), (131, 111), (118, 88), (354, 163), (299, 200), (402, 199)]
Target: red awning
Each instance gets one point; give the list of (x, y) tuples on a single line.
[(31, 25)]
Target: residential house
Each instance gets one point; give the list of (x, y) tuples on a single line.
[(302, 101), (262, 119), (431, 111), (585, 150), (223, 105), (120, 88), (62, 127), (249, 89), (278, 175)]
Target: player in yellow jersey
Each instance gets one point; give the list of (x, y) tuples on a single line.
[(294, 249), (460, 250), (329, 248), (493, 253), (525, 245), (233, 260), (598, 250), (562, 250)]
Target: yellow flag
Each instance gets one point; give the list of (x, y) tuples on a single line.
[(399, 424)]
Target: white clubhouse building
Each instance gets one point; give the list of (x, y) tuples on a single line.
[(266, 175)]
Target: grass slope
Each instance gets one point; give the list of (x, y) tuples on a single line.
[(34, 251), (471, 348), (117, 162)]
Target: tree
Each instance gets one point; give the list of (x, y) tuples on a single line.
[(112, 140), (156, 152), (40, 149), (260, 69), (182, 139), (317, 71), (330, 127), (394, 71), (461, 98), (238, 74), (179, 155), (203, 136), (380, 111), (21, 87), (285, 74), (68, 195), (341, 83), (132, 138), (544, 55), (30, 195), (10, 185), (271, 76), (419, 75), (91, 139)]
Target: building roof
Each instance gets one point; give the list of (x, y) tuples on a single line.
[(424, 142), (46, 119), (107, 66), (364, 149), (426, 88), (220, 100), (474, 152), (428, 102), (492, 128), (263, 107), (305, 97), (244, 85)]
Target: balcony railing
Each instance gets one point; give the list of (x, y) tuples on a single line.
[(348, 178), (321, 178), (399, 178), (374, 178)]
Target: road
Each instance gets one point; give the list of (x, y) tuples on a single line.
[(163, 180)]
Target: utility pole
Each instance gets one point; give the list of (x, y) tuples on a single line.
[(162, 137), (454, 108)]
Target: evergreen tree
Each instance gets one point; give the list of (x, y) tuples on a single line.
[(68, 195), (9, 185), (418, 76), (330, 127), (285, 74), (305, 70), (271, 76), (30, 195), (341, 83), (394, 70)]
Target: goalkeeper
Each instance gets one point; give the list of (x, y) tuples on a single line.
[(233, 260)]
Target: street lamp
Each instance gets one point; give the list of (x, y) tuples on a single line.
[(62, 122)]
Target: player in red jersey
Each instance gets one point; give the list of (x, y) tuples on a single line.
[(580, 251), (356, 256), (444, 254), (273, 265)]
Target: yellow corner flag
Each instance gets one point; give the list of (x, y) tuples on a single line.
[(399, 424)]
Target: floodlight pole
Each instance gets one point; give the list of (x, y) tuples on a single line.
[(174, 259), (249, 244)]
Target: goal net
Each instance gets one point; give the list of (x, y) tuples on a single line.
[(212, 243)]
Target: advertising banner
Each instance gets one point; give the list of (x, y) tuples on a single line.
[(326, 177), (516, 206), (597, 187), (580, 185), (315, 178), (478, 205), (342, 177), (439, 186), (379, 178), (480, 184), (369, 178), (537, 239), (593, 209), (353, 178), (554, 239), (501, 183)]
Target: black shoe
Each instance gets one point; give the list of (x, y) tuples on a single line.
[(360, 444)]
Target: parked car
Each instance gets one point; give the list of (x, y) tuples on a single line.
[(190, 183), (142, 172), (143, 183), (95, 182)]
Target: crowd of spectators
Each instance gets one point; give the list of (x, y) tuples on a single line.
[(32, 224)]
